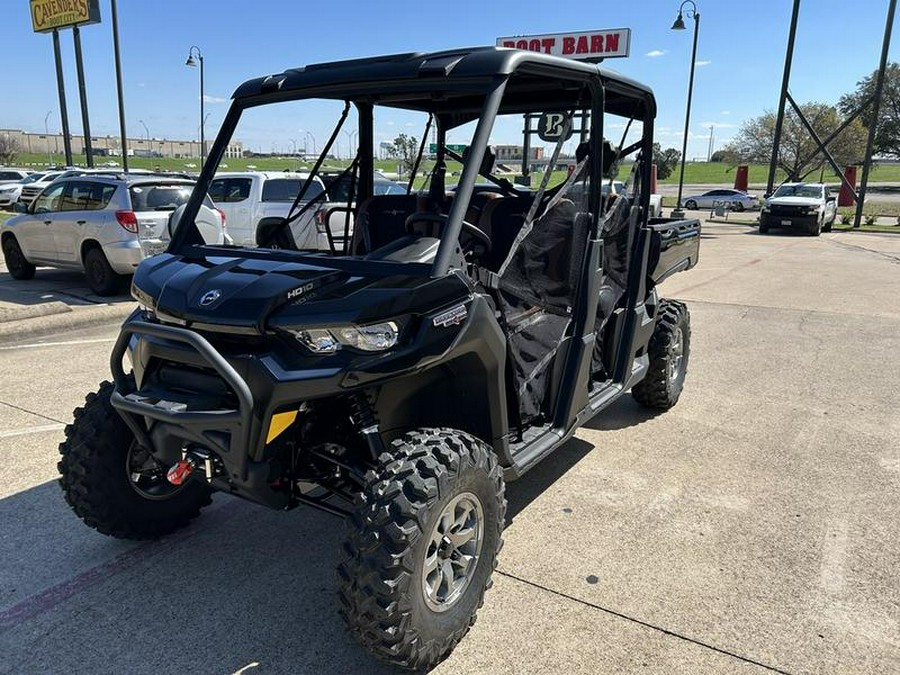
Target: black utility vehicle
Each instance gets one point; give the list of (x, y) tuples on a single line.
[(458, 340)]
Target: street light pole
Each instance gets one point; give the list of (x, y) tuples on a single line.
[(47, 135), (350, 136), (679, 25), (146, 130), (191, 62), (309, 133)]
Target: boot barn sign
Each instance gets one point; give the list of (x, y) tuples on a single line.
[(586, 46), (48, 15)]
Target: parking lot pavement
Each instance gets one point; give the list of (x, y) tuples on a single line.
[(54, 300), (753, 528)]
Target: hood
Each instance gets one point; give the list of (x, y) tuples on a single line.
[(795, 201), (254, 294)]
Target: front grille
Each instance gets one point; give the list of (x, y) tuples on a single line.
[(787, 211), (29, 193)]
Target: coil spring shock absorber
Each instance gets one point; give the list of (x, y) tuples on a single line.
[(363, 415)]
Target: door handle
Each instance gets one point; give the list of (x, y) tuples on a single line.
[(48, 222), (81, 222)]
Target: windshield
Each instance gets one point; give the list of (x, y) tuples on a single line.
[(435, 162), (33, 178), (814, 191)]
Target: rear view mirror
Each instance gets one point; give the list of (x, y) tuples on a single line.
[(19, 207)]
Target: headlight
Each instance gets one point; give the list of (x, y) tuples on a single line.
[(143, 298), (7, 191), (375, 337)]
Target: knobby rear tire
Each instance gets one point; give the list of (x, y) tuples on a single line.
[(671, 338)]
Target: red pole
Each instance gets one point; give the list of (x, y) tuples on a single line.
[(653, 179), (741, 178), (845, 198)]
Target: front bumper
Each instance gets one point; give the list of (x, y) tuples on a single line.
[(124, 256), (8, 199), (804, 222)]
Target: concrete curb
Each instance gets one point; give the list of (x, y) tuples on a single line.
[(19, 312), (75, 318)]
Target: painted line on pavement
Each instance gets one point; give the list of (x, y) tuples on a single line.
[(54, 596), (58, 344), (32, 430)]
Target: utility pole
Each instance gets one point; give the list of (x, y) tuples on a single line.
[(712, 143)]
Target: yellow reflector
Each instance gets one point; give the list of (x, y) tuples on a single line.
[(280, 422)]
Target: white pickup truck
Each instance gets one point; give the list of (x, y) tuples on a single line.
[(618, 187), (806, 206), (247, 197)]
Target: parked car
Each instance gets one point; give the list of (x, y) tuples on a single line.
[(618, 187), (807, 206), (736, 200), (8, 175), (105, 225), (249, 198), (10, 191), (32, 189)]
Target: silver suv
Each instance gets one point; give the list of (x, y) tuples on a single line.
[(103, 224)]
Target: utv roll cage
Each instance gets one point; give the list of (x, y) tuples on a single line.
[(455, 87)]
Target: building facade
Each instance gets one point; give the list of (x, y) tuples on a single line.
[(52, 144)]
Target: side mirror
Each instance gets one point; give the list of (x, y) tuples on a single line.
[(20, 207), (830, 199)]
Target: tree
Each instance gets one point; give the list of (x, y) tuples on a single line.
[(406, 149), (665, 160), (887, 135), (797, 154), (9, 148)]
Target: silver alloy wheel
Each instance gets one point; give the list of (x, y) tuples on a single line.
[(452, 553), (676, 357)]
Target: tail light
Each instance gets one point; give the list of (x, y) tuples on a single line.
[(319, 219), (221, 213), (128, 221)]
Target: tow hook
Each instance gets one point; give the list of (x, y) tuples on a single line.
[(180, 472), (189, 461)]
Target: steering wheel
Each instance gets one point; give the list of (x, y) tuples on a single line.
[(441, 220)]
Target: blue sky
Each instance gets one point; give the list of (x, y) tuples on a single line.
[(740, 54)]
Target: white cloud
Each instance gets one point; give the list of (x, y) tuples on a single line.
[(656, 52), (703, 63), (214, 99), (725, 112), (719, 125)]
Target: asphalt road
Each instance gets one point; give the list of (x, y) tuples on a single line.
[(753, 528)]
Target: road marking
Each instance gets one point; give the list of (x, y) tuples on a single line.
[(60, 344), (52, 597), (32, 430)]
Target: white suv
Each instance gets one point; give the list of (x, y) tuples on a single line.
[(105, 225)]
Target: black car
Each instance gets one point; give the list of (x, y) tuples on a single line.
[(403, 380)]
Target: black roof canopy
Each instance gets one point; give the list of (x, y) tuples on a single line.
[(454, 82)]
